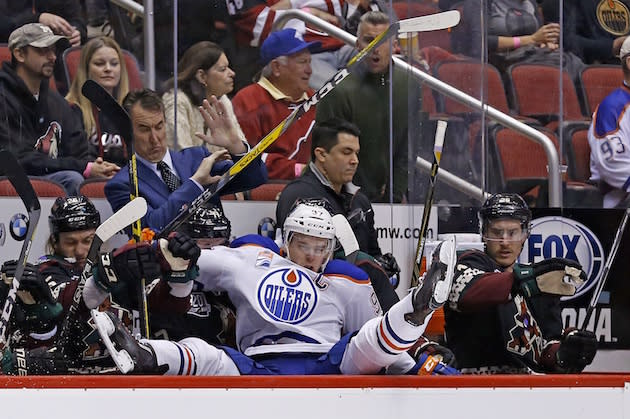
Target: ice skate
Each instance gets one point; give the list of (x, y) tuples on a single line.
[(433, 292), (131, 355)]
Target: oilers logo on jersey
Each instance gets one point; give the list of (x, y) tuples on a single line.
[(287, 295)]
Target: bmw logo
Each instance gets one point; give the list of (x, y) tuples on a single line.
[(565, 238), (18, 226)]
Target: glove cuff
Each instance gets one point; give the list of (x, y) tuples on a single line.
[(524, 280), (184, 276)]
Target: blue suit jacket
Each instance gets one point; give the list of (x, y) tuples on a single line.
[(164, 206)]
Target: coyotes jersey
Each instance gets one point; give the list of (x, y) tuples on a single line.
[(281, 306)]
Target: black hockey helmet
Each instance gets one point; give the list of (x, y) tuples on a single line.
[(505, 205), (208, 222), (73, 213)]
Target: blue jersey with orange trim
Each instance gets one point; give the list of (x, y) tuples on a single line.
[(283, 307)]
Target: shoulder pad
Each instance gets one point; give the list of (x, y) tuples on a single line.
[(341, 267), (255, 239), (609, 111)]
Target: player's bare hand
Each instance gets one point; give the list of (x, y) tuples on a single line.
[(222, 129), (203, 174), (59, 25)]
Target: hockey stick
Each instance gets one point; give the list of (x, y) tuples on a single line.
[(609, 262), (134, 210), (437, 155), (108, 105), (346, 237), (417, 24), (18, 178)]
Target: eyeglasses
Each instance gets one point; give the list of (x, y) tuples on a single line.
[(499, 234)]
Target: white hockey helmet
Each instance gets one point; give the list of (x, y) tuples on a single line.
[(311, 220)]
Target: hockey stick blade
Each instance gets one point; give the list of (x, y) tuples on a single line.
[(607, 266), (275, 133), (132, 211), (22, 185), (96, 94), (437, 156), (434, 22), (346, 237)]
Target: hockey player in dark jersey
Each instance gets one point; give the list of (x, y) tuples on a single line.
[(47, 289), (504, 317)]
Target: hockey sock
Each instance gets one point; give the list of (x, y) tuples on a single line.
[(192, 356)]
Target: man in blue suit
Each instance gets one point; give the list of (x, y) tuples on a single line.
[(169, 180)]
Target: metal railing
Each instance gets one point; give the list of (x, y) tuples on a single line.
[(553, 161)]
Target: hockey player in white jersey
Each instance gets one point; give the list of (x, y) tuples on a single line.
[(609, 140), (298, 312)]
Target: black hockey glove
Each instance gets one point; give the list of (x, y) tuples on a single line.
[(391, 268), (577, 350), (36, 310), (557, 276), (126, 265), (178, 257), (39, 361), (434, 349)]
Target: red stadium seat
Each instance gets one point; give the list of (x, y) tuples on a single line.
[(596, 82), (577, 150), (267, 192), (44, 188), (93, 188)]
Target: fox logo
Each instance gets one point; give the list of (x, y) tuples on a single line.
[(49, 142)]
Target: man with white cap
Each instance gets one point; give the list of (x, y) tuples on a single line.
[(38, 125), (609, 139), (283, 85)]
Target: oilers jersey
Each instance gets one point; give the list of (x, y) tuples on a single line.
[(283, 307)]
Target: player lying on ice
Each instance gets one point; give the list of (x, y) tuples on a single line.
[(298, 314)]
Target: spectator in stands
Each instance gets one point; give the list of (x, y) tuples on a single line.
[(62, 16), (515, 34), (593, 29), (101, 60), (203, 71), (253, 23), (170, 180), (363, 98), (334, 161), (38, 124), (283, 85), (609, 140)]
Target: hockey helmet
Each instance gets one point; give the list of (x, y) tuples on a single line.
[(208, 222), (505, 205), (311, 219), (73, 213)]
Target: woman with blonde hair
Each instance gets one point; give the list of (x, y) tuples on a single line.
[(101, 60), (203, 71)]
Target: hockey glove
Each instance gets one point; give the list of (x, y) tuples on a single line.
[(557, 276), (39, 361), (577, 350), (126, 265), (391, 268), (36, 310), (178, 258), (434, 349)]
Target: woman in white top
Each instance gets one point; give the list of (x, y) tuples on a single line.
[(203, 71)]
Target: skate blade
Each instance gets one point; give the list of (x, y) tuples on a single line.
[(448, 256), (106, 328)]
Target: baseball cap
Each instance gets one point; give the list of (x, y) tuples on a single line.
[(35, 35), (284, 42), (625, 48)]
